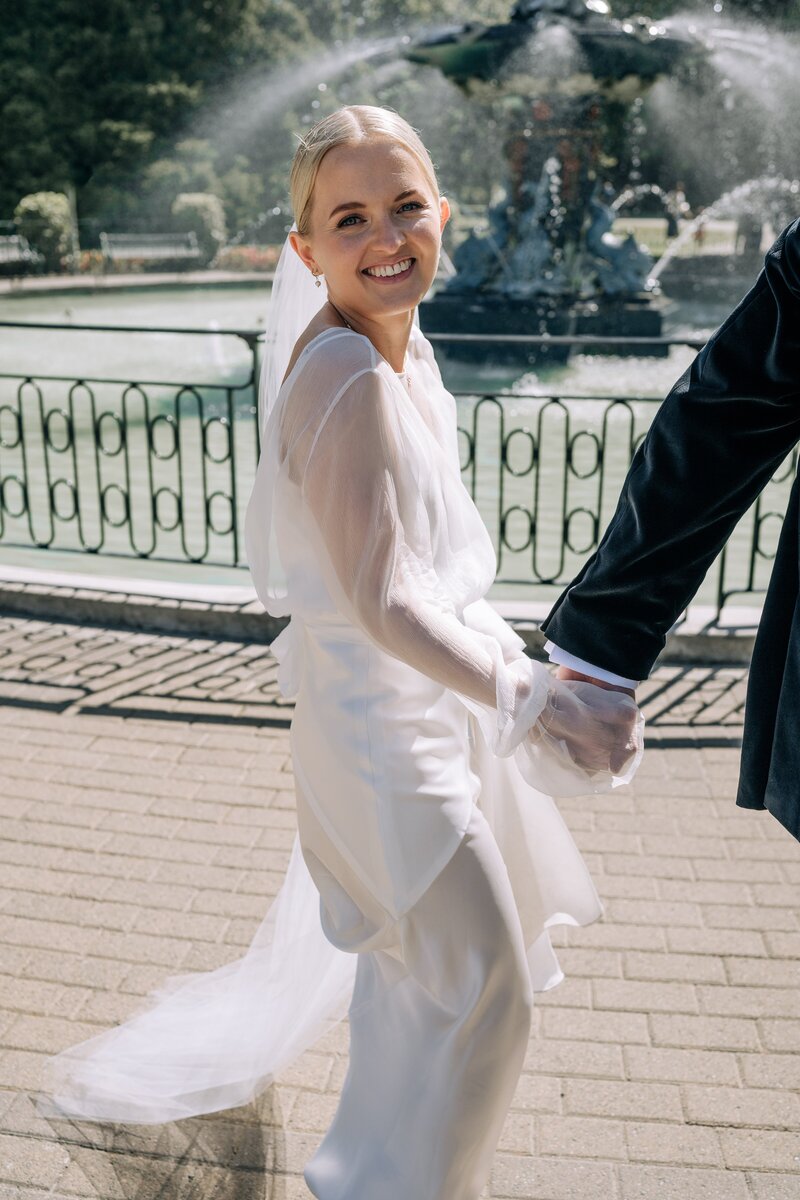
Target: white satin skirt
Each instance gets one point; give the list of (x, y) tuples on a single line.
[(421, 888), (443, 870)]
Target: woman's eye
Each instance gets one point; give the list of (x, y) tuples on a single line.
[(343, 223)]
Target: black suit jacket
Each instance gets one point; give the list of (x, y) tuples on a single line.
[(714, 444)]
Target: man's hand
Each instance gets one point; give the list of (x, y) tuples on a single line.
[(567, 673)]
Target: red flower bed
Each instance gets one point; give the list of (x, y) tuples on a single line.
[(247, 258)]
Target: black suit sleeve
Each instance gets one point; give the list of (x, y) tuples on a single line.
[(714, 444)]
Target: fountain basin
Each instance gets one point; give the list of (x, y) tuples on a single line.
[(479, 314)]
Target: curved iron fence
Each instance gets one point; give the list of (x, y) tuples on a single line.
[(159, 469)]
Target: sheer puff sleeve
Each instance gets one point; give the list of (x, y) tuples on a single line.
[(407, 559)]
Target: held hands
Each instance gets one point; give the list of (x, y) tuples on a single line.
[(589, 736), (620, 733), (598, 723)]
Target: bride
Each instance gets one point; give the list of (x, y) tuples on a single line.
[(431, 860)]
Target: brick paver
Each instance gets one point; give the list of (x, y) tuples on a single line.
[(146, 817)]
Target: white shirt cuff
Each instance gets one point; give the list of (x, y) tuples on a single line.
[(563, 658)]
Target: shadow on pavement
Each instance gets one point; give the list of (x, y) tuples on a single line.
[(62, 667), (235, 1155)]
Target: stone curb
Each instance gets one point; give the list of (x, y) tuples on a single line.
[(694, 642), (29, 285)]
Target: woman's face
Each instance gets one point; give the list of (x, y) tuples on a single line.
[(372, 207)]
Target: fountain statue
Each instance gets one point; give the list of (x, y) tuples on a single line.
[(547, 261)]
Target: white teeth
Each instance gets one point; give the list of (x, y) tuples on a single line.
[(397, 269)]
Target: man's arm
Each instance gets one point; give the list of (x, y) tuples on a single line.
[(713, 446)]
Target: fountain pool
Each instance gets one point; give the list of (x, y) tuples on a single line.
[(221, 356)]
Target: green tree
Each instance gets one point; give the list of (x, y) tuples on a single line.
[(90, 89)]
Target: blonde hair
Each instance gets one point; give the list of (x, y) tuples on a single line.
[(349, 125)]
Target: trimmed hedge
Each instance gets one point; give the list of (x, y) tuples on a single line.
[(44, 218), (203, 213)]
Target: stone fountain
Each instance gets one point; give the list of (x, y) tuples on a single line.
[(547, 261)]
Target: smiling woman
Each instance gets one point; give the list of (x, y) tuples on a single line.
[(380, 258), (426, 745)]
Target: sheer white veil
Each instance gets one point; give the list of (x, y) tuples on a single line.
[(295, 300), (215, 1040)]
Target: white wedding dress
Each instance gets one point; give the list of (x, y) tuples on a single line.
[(417, 723)]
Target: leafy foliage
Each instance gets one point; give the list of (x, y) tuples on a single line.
[(134, 104)]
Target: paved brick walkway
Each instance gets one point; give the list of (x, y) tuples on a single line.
[(146, 815)]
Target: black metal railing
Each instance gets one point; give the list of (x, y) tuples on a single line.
[(138, 467), (162, 469)]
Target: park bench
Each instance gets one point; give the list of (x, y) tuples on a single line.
[(16, 250), (118, 247)]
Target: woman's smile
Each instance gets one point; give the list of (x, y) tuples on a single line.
[(390, 273)]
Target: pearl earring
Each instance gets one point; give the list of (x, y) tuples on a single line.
[(316, 275)]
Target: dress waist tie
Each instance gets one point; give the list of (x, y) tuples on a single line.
[(288, 647)]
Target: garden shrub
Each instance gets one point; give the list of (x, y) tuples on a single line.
[(44, 218), (203, 213)]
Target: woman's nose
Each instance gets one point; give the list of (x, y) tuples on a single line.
[(387, 234)]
